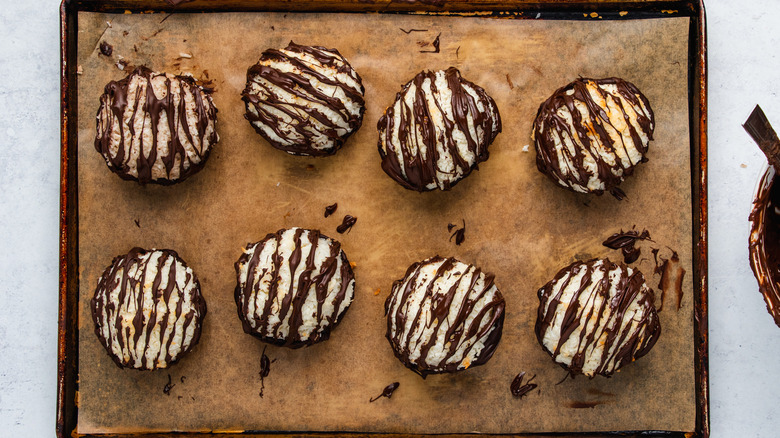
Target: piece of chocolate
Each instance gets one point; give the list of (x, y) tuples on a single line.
[(293, 287), (596, 316), (155, 127), (590, 134), (437, 131), (444, 316), (387, 392), (520, 389), (346, 224), (625, 241), (148, 309), (329, 210), (305, 100)]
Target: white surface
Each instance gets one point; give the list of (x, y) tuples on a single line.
[(744, 41)]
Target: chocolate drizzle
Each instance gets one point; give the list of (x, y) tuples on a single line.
[(415, 148), (608, 294), (519, 389), (467, 319), (175, 153), (625, 241), (594, 135), (329, 210), (387, 392), (672, 275), (764, 244), (346, 224), (290, 109), (330, 280), (138, 277)]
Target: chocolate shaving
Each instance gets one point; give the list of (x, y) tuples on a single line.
[(168, 386), (106, 49), (329, 210), (519, 389), (412, 30), (436, 43), (459, 234), (387, 392), (346, 224), (137, 223), (761, 131), (625, 241)]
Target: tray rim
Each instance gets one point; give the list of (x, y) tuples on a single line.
[(67, 341)]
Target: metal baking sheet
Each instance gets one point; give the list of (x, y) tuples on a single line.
[(81, 253)]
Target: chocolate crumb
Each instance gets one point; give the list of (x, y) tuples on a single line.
[(436, 43), (168, 386), (456, 52), (519, 389), (272, 28), (125, 33), (346, 224), (509, 81), (459, 234), (106, 49), (329, 210), (182, 378), (137, 223), (450, 227), (179, 397), (387, 392)]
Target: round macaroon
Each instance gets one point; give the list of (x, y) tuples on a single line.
[(305, 100), (590, 134), (293, 287), (437, 131), (155, 127), (444, 316), (148, 309), (596, 316)]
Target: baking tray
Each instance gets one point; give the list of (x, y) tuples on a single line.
[(562, 10)]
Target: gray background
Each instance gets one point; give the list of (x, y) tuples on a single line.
[(743, 43)]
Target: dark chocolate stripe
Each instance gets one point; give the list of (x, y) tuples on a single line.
[(549, 124), (291, 300), (487, 321), (416, 171), (116, 98), (629, 344)]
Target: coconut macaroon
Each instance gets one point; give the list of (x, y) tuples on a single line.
[(148, 309), (590, 134), (155, 127), (305, 100), (293, 287), (444, 316), (596, 316), (437, 131)]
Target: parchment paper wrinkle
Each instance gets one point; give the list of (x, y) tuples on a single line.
[(522, 227)]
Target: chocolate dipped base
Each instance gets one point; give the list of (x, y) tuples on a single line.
[(437, 131), (444, 316), (596, 316), (293, 287), (590, 134), (304, 100), (148, 309), (764, 243), (155, 127)]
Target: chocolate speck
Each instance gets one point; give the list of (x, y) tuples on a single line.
[(459, 234), (329, 210), (182, 378), (168, 386), (106, 49), (509, 81), (137, 223), (450, 227), (412, 30), (125, 33), (519, 389), (387, 392), (179, 397), (346, 224)]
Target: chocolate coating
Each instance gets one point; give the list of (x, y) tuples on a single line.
[(764, 243), (444, 316), (590, 134), (437, 131), (148, 309), (293, 287), (155, 127), (596, 316), (305, 100)]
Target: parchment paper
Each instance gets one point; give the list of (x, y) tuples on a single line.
[(519, 225)]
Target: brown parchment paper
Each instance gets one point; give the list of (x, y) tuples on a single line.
[(519, 225)]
